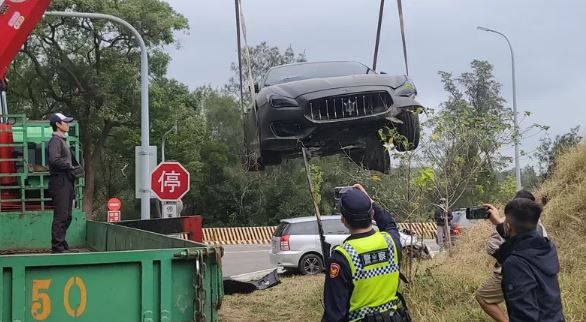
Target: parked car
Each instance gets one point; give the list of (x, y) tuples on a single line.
[(296, 244), (330, 107)]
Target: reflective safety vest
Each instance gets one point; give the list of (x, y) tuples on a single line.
[(374, 263)]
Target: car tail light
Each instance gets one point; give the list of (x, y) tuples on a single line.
[(456, 230), (285, 242)]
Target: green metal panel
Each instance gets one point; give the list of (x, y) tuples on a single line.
[(33, 230), (32, 173), (146, 277)]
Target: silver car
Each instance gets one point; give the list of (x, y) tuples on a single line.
[(296, 244)]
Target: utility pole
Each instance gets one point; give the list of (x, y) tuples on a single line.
[(145, 190), (516, 137)]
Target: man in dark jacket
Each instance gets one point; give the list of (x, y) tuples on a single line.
[(60, 181), (530, 265)]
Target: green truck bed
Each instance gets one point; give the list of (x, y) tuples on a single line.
[(129, 275)]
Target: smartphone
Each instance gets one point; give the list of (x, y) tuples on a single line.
[(477, 213), (339, 190)]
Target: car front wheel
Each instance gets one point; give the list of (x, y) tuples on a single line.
[(311, 264), (409, 131)]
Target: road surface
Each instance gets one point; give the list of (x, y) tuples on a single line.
[(244, 259)]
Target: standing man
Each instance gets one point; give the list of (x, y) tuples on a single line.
[(530, 265), (61, 181), (363, 273), (440, 221), (490, 294)]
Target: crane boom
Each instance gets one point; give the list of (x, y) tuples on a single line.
[(18, 18)]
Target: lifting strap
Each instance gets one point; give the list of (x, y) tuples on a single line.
[(325, 247), (241, 30), (402, 24)]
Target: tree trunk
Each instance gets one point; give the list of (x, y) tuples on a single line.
[(90, 178)]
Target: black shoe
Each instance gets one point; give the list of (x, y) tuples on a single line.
[(62, 251)]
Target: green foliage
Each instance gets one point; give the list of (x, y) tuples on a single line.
[(467, 135), (262, 58), (549, 150)]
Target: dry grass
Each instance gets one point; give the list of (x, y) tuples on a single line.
[(443, 288), (565, 219), (297, 298)]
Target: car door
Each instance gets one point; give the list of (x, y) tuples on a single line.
[(335, 232)]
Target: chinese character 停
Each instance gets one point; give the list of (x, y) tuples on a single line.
[(169, 180)]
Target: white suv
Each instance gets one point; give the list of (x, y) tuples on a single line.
[(296, 244)]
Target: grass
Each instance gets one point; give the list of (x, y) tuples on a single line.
[(443, 289), (297, 298)]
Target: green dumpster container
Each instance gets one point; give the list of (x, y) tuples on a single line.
[(121, 274)]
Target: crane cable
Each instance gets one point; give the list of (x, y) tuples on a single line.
[(378, 32), (241, 32), (402, 24)]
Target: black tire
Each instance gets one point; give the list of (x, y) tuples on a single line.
[(270, 158), (409, 131), (311, 264), (374, 156)]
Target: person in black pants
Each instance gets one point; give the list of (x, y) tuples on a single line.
[(61, 181)]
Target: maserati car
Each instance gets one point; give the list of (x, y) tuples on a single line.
[(334, 107)]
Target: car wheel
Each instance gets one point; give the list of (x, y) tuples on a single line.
[(311, 264), (374, 156), (409, 131), (270, 158)]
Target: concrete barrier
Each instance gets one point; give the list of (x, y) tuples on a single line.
[(263, 235)]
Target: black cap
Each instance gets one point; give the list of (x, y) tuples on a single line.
[(356, 206), (58, 117)]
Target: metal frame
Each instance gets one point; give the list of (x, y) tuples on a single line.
[(37, 133)]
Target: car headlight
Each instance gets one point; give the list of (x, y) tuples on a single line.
[(278, 101), (407, 89)]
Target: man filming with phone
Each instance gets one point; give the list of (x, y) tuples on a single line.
[(362, 275), (491, 294)]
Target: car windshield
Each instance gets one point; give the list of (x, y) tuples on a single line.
[(295, 72)]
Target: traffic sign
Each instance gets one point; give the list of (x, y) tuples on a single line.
[(170, 181), (114, 204), (113, 216)]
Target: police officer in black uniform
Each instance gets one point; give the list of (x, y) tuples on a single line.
[(363, 273), (61, 181)]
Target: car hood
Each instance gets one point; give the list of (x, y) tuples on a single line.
[(302, 87)]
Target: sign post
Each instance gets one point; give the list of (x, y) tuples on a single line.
[(169, 183), (114, 205)]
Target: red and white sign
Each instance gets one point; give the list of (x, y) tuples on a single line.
[(170, 181), (113, 216), (114, 204)]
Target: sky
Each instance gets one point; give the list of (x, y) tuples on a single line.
[(547, 38)]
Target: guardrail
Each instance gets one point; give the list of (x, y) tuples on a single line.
[(262, 235)]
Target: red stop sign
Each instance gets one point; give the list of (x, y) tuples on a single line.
[(114, 204), (170, 181)]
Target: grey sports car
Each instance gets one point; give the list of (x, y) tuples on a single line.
[(330, 108)]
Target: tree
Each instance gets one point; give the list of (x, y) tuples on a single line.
[(262, 58), (466, 136), (90, 69), (549, 150)]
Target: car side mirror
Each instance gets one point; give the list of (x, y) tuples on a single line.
[(256, 89)]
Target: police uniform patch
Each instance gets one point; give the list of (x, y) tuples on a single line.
[(334, 270), (375, 257)]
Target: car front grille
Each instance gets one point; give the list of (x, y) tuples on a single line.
[(348, 106)]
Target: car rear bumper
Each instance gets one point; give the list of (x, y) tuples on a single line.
[(287, 259)]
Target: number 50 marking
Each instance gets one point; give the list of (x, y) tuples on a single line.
[(41, 304)]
